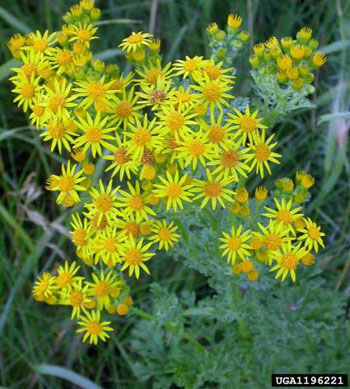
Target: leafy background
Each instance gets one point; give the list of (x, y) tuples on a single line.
[(274, 328)]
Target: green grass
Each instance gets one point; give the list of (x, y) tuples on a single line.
[(36, 335)]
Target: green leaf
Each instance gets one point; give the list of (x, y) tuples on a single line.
[(66, 374), (108, 54), (334, 116), (14, 22), (336, 46), (5, 69)]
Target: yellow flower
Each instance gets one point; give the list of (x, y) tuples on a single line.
[(57, 131), (135, 202), (135, 41), (81, 234), (165, 234), (83, 33), (92, 92), (182, 98), (176, 121), (104, 202), (189, 66), (155, 95), (153, 71), (234, 21), (234, 245), (273, 236), (260, 193), (95, 134), (109, 245), (288, 261), (213, 93), (40, 43), (27, 90), (69, 182), (93, 327), (247, 124), (213, 190), (216, 131), (175, 190), (231, 161), (125, 109), (77, 298), (44, 287), (311, 235), (61, 59), (284, 213), (285, 62), (134, 257), (66, 277), (262, 153), (102, 288)]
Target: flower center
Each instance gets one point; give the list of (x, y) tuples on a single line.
[(64, 58), (136, 202), (102, 289), (135, 38), (79, 237), (229, 158), (40, 45), (94, 328), (84, 35), (164, 233), (174, 191), (157, 96), (213, 72), (248, 124), (262, 153), (133, 229), (190, 65), (93, 135), (104, 203), (27, 91), (96, 90), (57, 131), (142, 136), (314, 233), (175, 121), (212, 189), (56, 102), (153, 75), (289, 261), (284, 216), (123, 110), (110, 245), (120, 157), (272, 242), (216, 134), (133, 257), (38, 110), (66, 184), (28, 69), (212, 92), (63, 280), (234, 243), (196, 148), (76, 299)]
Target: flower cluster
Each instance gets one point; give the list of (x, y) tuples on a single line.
[(165, 136), (289, 61)]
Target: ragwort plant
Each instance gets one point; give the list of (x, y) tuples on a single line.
[(179, 149)]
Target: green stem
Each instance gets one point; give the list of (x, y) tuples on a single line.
[(170, 327)]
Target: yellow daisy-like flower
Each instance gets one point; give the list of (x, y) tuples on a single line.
[(77, 298), (189, 66), (26, 90), (102, 288), (155, 95), (59, 99), (68, 183), (234, 21), (93, 327), (165, 234), (40, 43), (284, 213), (215, 72), (135, 41), (182, 98), (312, 235), (93, 91), (153, 71), (262, 153), (66, 277), (246, 124), (213, 93), (216, 131), (176, 121), (104, 202), (174, 189), (44, 287), (213, 190), (144, 136), (135, 202), (231, 161), (57, 131), (194, 148), (273, 236), (95, 134), (288, 260), (109, 245), (81, 234), (125, 110), (83, 33), (122, 162), (61, 59), (37, 116), (135, 255), (234, 245)]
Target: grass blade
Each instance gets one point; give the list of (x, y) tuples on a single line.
[(14, 22)]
